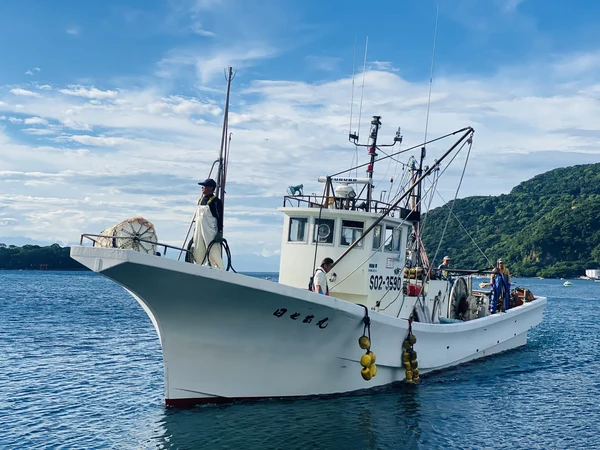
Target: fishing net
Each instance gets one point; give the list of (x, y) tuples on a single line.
[(136, 234)]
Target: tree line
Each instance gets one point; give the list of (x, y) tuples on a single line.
[(35, 257)]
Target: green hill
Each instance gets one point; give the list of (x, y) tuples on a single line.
[(34, 257), (548, 226)]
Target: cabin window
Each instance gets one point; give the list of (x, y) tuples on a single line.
[(376, 238), (351, 231), (298, 229), (392, 238), (324, 231)]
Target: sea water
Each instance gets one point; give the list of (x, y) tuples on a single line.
[(81, 367)]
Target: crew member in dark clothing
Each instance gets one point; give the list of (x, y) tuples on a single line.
[(209, 226)]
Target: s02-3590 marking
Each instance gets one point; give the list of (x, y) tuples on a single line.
[(389, 283)]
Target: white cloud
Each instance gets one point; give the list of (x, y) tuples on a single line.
[(511, 5), (96, 141), (179, 105), (200, 31), (24, 92), (209, 64), (38, 131), (29, 72), (325, 63), (73, 30), (74, 125), (35, 121), (92, 92), (45, 87), (143, 151), (383, 65)]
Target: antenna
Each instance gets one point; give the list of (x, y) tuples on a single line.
[(362, 91), (352, 98), (352, 104), (431, 72)]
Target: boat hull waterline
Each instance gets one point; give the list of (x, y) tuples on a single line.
[(228, 336)]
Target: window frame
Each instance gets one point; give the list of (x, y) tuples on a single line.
[(331, 237), (354, 229), (396, 239), (306, 229)]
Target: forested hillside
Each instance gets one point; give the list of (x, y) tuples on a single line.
[(548, 226), (34, 257)]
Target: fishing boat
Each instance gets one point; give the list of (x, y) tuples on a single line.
[(389, 316)]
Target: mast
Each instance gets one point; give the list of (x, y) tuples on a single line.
[(223, 154), (375, 125), (417, 206)]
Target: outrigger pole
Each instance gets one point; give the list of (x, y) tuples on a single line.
[(466, 136), (224, 154)]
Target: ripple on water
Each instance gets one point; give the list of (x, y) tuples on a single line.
[(81, 368)]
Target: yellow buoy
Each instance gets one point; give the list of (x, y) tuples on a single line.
[(373, 369), (365, 360), (366, 373), (413, 355), (407, 365), (415, 373), (372, 355), (412, 339), (405, 356), (406, 344), (409, 375), (414, 364), (364, 342), (416, 379)]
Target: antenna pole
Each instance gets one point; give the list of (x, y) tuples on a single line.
[(419, 190), (467, 135), (375, 125)]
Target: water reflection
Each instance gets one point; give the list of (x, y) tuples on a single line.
[(361, 421)]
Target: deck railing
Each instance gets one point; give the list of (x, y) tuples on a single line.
[(348, 204), (94, 239)]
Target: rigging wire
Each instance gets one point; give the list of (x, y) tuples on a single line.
[(437, 12), (470, 141), (464, 229)]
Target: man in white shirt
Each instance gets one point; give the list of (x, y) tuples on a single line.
[(320, 277)]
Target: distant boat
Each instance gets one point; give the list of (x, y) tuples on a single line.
[(567, 283), (593, 274)]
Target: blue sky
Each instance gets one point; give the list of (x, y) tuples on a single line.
[(110, 109)]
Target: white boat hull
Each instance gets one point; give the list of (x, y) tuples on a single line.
[(226, 336)]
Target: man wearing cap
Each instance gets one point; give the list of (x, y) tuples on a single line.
[(500, 282), (320, 277), (444, 266), (209, 226)]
